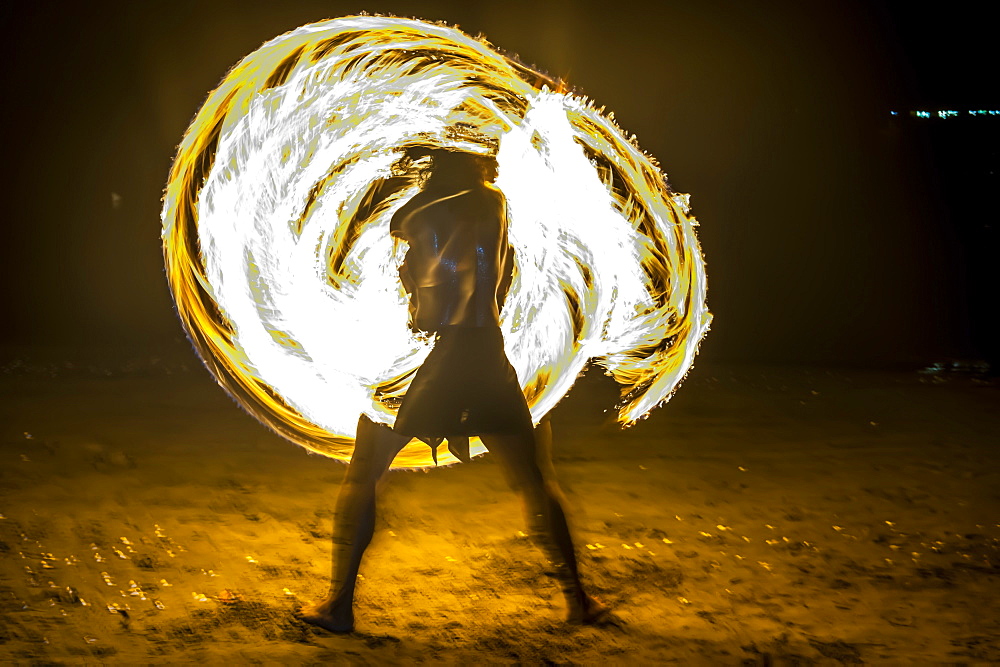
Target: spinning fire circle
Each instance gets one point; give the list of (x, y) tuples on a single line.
[(276, 229)]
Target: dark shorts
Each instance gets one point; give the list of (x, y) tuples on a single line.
[(465, 387)]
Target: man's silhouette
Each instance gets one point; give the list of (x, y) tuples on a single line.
[(456, 271)]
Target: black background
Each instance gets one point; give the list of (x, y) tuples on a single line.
[(834, 232)]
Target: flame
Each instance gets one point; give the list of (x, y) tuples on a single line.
[(276, 243)]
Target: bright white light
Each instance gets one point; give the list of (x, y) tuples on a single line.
[(270, 182)]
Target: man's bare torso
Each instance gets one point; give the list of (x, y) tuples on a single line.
[(458, 260)]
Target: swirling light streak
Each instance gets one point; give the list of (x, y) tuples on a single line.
[(276, 215)]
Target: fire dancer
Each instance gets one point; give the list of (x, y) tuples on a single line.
[(457, 272)]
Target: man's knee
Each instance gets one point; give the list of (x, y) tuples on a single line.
[(375, 446), (368, 430)]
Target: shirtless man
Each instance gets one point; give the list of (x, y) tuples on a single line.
[(456, 271)]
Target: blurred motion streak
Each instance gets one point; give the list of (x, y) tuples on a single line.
[(278, 253)]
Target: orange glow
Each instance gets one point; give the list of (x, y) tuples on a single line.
[(286, 278)]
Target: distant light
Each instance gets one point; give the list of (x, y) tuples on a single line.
[(951, 113), (894, 113)]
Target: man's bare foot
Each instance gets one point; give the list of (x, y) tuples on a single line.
[(327, 616), (589, 611)]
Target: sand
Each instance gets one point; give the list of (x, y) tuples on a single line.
[(764, 516)]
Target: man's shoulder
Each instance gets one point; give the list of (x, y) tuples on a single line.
[(478, 197), (493, 192), (415, 205), (424, 208), (486, 196)]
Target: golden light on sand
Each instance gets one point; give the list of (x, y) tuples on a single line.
[(286, 278)]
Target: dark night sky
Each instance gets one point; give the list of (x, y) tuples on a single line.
[(830, 230)]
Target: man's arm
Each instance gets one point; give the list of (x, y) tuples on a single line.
[(506, 277), (507, 256)]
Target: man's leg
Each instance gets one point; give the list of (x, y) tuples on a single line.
[(374, 449), (527, 465)]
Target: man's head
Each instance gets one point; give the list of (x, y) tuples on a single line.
[(458, 167)]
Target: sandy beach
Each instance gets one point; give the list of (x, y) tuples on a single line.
[(764, 516), (841, 509)]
